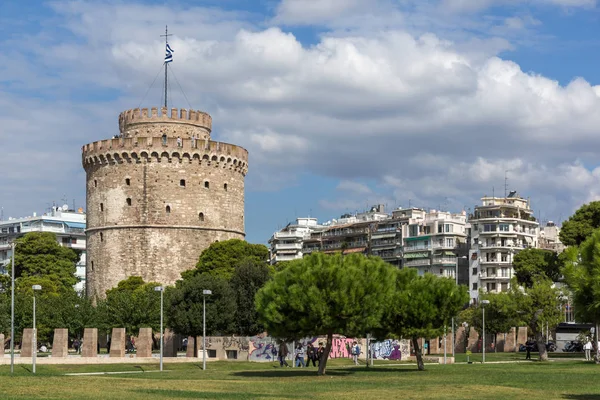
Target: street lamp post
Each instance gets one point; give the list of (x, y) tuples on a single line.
[(34, 344), (483, 304), (12, 312), (204, 294), (161, 290)]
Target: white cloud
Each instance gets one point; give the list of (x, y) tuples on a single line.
[(425, 117)]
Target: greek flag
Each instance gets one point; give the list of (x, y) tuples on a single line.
[(168, 55)]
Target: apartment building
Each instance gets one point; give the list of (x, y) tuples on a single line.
[(68, 225), (549, 238), (433, 242), (500, 228), (287, 244)]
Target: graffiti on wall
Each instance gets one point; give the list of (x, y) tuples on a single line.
[(262, 348), (390, 349)]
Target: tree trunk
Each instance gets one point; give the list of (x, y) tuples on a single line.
[(595, 345), (418, 354), (539, 338), (325, 356)]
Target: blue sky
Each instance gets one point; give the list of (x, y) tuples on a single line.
[(341, 103)]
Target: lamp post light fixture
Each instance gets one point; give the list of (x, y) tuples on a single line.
[(204, 294), (483, 304), (34, 344), (161, 290), (12, 312)]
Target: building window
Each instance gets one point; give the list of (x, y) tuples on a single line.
[(101, 207), (475, 227), (206, 184), (474, 286), (450, 242), (474, 271), (182, 182), (201, 217), (128, 181), (95, 183), (491, 286), (92, 264), (440, 228), (503, 227), (504, 257), (489, 228), (225, 186), (128, 201), (168, 209), (448, 227), (101, 237)]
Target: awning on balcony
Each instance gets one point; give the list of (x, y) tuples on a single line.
[(412, 239), (79, 225), (446, 253), (416, 255)]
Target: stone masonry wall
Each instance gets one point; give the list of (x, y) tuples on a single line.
[(153, 206)]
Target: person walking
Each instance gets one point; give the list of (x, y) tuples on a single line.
[(300, 356), (587, 347), (320, 352), (282, 354), (311, 355), (355, 352), (528, 347)]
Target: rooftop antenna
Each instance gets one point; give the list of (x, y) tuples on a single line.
[(409, 203), (168, 58), (505, 183), (1, 213)]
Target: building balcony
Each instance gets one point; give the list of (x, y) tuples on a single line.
[(445, 260), (417, 248), (288, 246), (288, 235), (417, 263)]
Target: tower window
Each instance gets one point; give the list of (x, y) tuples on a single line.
[(168, 209), (128, 181), (101, 237), (92, 263), (206, 184), (225, 186), (201, 217), (128, 201), (101, 206), (95, 183), (182, 183)]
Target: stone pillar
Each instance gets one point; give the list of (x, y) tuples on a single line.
[(521, 336), (117, 342), (460, 339), (510, 343), (1, 344), (434, 345), (191, 347), (90, 343), (500, 342), (473, 340), (144, 343), (170, 344), (60, 344), (27, 343)]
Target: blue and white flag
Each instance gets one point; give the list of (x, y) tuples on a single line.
[(169, 55)]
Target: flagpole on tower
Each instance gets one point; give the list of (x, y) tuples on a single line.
[(168, 59)]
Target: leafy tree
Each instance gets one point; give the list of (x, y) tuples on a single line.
[(222, 258), (500, 315), (247, 279), (421, 307), (581, 225), (185, 304), (538, 306), (326, 294), (530, 264), (132, 305), (39, 259), (582, 275)]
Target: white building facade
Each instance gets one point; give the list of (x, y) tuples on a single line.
[(68, 225), (500, 228), (286, 244)]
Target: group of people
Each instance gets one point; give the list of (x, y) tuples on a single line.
[(312, 354)]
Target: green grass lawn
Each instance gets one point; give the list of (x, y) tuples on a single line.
[(570, 379)]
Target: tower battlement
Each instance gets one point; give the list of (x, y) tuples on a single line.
[(142, 120)]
